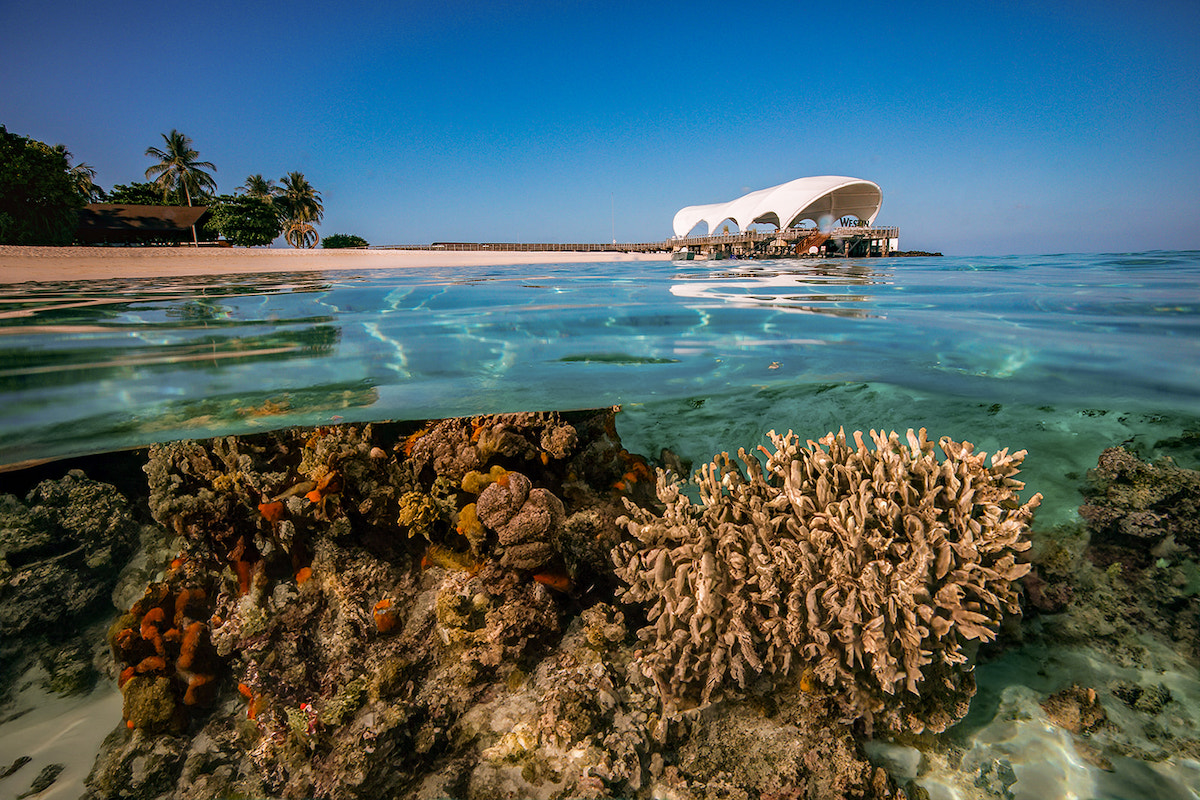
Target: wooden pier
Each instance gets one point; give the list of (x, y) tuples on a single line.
[(849, 241)]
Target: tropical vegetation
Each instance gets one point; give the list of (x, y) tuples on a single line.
[(299, 207), (244, 220), (179, 168), (39, 201), (136, 194), (41, 192), (339, 240), (260, 187), (83, 176)]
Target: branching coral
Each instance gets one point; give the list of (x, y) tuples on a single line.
[(872, 571)]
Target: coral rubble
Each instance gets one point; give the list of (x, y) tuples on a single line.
[(866, 573)]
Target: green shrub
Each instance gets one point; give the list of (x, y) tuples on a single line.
[(243, 220), (336, 240)]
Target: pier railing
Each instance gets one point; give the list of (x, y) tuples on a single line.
[(788, 235)]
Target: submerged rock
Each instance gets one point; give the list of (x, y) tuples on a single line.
[(61, 551), (1154, 506), (1144, 523), (44, 780), (1076, 708)]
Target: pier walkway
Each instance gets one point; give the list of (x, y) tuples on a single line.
[(841, 241)]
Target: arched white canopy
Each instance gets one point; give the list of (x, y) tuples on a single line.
[(824, 199)]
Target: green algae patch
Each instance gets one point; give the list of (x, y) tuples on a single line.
[(615, 358)]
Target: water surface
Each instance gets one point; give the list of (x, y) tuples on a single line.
[(89, 367)]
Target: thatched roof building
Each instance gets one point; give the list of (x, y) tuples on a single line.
[(112, 223)]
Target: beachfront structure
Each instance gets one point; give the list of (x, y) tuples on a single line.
[(117, 223), (823, 200), (833, 204)]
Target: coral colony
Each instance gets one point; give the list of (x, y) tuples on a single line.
[(867, 571), (512, 605)]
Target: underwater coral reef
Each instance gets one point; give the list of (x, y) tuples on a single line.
[(515, 606)]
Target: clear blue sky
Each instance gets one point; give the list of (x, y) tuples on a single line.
[(1018, 127)]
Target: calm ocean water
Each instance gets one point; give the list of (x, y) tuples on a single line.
[(1060, 355)]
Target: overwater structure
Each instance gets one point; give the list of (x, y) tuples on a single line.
[(825, 215)]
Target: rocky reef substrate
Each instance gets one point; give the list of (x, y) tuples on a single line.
[(516, 606)]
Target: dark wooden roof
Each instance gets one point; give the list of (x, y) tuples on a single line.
[(118, 222)]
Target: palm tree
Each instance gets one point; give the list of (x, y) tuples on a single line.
[(178, 168), (83, 176), (260, 187), (299, 206)]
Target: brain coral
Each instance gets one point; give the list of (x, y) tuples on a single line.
[(870, 573)]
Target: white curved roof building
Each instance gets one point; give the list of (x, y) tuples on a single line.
[(824, 199)]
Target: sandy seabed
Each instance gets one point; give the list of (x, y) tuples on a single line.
[(23, 264)]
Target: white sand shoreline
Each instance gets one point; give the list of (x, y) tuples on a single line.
[(41, 264), (56, 730)]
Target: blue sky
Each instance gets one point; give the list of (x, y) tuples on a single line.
[(992, 128)]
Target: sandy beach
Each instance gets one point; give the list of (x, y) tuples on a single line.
[(23, 264)]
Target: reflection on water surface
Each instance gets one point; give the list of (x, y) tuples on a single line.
[(116, 362)]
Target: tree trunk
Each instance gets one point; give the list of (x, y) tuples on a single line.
[(188, 194)]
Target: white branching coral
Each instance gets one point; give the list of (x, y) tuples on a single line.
[(870, 572)]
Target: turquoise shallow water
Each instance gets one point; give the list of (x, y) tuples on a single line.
[(117, 360), (1061, 355)]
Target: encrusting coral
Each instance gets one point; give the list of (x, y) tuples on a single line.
[(166, 659), (868, 573), (1132, 502)]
